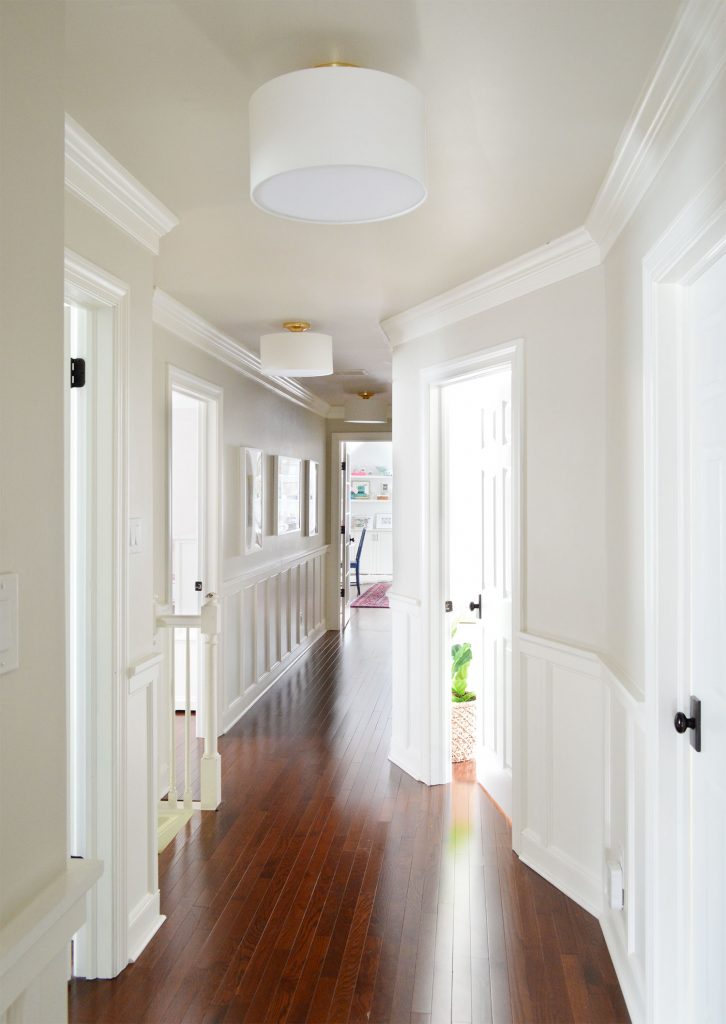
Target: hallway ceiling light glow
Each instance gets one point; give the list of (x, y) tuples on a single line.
[(337, 144), (288, 355), (365, 408)]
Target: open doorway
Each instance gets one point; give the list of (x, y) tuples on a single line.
[(362, 511), (477, 422), (96, 540)]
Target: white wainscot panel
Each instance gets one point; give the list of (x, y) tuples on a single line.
[(406, 733), (562, 769), (624, 839), (271, 616)]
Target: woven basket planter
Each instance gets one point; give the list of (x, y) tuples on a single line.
[(463, 731)]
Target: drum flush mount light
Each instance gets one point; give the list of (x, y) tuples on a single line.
[(290, 355), (337, 144), (365, 408)]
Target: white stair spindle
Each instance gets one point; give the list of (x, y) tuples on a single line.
[(187, 723), (173, 795), (211, 764)]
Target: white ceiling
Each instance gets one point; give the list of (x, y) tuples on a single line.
[(525, 104)]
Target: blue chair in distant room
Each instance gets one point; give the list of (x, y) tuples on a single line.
[(356, 564)]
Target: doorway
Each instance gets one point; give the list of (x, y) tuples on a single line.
[(477, 425), (473, 518), (194, 509), (96, 545), (685, 455), (361, 514)]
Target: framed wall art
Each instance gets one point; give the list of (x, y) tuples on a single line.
[(251, 463), (313, 474), (287, 495)]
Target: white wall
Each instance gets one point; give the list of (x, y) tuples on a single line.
[(32, 698), (272, 600), (564, 451)]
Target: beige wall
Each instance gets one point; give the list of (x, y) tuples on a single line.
[(692, 162), (253, 417), (564, 451), (32, 698)]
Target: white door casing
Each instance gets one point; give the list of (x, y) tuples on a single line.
[(684, 584), (435, 720), (100, 771), (478, 490)]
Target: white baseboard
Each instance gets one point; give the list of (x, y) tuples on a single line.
[(144, 922), (242, 705), (631, 984), (404, 763), (563, 872)]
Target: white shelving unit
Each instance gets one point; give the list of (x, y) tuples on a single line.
[(377, 557)]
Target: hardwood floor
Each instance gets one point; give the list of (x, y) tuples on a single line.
[(332, 887)]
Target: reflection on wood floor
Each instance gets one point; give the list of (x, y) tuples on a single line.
[(332, 887)]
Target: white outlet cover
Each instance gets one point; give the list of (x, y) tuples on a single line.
[(9, 650)]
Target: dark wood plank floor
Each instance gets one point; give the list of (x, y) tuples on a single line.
[(332, 887)]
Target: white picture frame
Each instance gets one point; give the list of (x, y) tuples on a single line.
[(287, 495), (312, 472), (384, 521), (252, 498)]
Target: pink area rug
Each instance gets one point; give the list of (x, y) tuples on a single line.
[(375, 597)]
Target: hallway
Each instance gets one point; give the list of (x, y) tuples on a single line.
[(331, 887)]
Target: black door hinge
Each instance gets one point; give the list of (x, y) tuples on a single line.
[(342, 466), (342, 529), (342, 591), (448, 606), (198, 586), (78, 373)]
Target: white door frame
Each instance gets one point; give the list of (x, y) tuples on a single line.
[(211, 489), (333, 603), (694, 241), (436, 716), (102, 944)]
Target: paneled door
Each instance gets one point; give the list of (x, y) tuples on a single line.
[(706, 363)]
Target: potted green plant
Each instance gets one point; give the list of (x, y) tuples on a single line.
[(463, 711)]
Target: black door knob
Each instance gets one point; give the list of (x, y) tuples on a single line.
[(682, 723), (475, 606)]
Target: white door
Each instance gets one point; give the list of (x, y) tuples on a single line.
[(707, 350), (478, 489), (344, 541), (188, 544)]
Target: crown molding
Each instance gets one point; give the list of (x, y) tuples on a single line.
[(559, 259), (185, 324), (92, 174), (692, 58)]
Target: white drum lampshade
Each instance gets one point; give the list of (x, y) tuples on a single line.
[(337, 145), (365, 408), (296, 352)]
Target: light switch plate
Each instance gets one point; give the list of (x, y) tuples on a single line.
[(9, 656), (134, 535)]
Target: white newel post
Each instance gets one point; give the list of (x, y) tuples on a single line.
[(211, 766)]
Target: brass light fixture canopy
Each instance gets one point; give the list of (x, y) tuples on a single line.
[(365, 408), (283, 355)]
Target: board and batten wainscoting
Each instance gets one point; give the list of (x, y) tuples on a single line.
[(270, 616)]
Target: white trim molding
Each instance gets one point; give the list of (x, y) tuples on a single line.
[(92, 174), (691, 60), (43, 929), (562, 258), (144, 922), (173, 316), (145, 672)]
